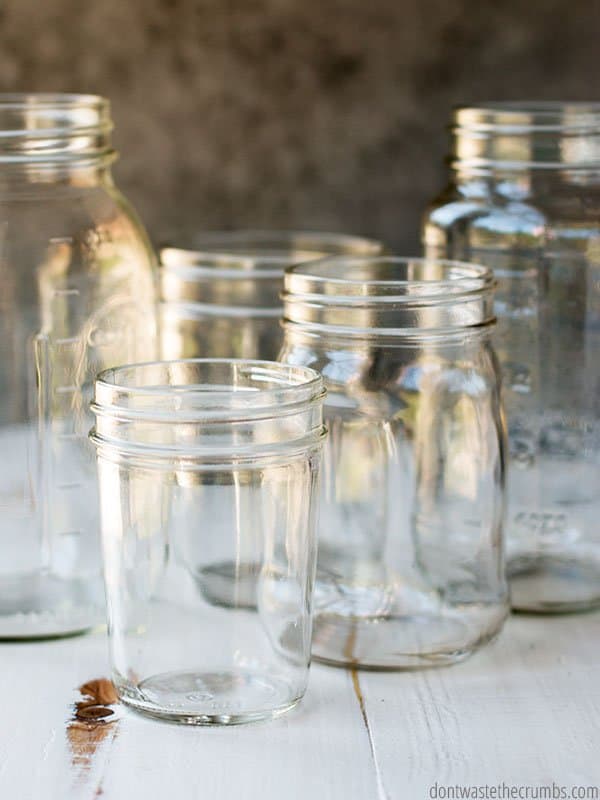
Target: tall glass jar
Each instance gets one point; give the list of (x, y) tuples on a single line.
[(202, 461), (410, 565), (77, 295), (524, 198), (221, 299)]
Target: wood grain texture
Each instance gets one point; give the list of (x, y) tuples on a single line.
[(524, 711)]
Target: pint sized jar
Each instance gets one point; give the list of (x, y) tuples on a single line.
[(221, 298), (410, 567), (77, 295), (524, 199), (200, 461)]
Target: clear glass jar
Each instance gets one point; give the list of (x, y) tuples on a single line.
[(77, 277), (221, 299), (200, 461), (524, 198), (410, 567)]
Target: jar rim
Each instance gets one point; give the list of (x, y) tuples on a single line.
[(246, 389), (528, 115), (263, 250), (341, 279), (51, 99)]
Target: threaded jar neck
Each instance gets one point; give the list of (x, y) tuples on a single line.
[(526, 135), (48, 130), (207, 411), (387, 296)]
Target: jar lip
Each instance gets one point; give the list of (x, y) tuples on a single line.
[(264, 250), (343, 280), (233, 389), (51, 99), (528, 116)]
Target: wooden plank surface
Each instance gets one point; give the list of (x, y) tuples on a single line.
[(525, 711)]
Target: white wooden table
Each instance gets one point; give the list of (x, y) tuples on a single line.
[(525, 711)]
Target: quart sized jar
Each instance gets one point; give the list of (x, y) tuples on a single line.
[(200, 461), (77, 295), (221, 298), (524, 198), (410, 566)]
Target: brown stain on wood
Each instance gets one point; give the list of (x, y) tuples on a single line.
[(93, 723)]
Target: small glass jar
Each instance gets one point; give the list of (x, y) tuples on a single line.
[(77, 278), (410, 567), (200, 461), (221, 299), (524, 199)]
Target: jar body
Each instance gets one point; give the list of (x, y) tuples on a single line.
[(207, 492), (195, 331), (410, 565), (78, 295), (539, 229)]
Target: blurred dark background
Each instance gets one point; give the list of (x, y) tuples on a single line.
[(325, 114)]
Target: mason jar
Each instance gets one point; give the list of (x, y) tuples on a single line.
[(524, 198), (221, 298), (410, 566), (200, 461), (77, 279)]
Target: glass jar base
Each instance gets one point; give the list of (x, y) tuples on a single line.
[(400, 642), (221, 697), (553, 583), (41, 605)]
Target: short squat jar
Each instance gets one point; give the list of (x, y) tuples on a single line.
[(221, 297), (524, 199), (199, 461), (410, 567)]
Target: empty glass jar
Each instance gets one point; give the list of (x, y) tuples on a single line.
[(77, 295), (410, 566), (200, 462), (524, 198), (221, 299)]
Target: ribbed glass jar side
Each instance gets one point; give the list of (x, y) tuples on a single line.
[(208, 482)]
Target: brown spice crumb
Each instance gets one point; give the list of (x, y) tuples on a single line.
[(94, 713), (101, 691)]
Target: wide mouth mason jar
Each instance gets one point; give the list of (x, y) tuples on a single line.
[(221, 296), (410, 567), (524, 199), (199, 461)]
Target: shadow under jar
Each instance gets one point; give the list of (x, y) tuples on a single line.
[(221, 299), (410, 567), (524, 199), (200, 461), (77, 295)]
